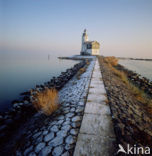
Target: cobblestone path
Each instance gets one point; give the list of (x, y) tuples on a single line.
[(57, 134)]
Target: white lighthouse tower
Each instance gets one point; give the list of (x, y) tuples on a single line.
[(84, 40)]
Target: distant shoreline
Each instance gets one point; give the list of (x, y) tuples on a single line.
[(138, 59)]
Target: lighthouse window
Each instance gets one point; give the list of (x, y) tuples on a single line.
[(89, 46)]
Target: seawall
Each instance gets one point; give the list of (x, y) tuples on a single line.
[(22, 110), (55, 134)]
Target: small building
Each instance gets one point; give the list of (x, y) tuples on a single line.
[(89, 47)]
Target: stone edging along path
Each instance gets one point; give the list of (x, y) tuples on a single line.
[(96, 136)]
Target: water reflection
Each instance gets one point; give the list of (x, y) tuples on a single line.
[(19, 74)]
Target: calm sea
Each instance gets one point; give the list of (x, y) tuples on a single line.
[(144, 68), (19, 73)]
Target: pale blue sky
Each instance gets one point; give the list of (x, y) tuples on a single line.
[(123, 27)]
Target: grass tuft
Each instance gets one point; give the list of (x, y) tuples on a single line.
[(46, 101), (80, 72), (111, 61)]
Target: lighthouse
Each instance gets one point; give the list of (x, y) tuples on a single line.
[(89, 47), (84, 40)]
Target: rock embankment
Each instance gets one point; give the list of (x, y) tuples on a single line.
[(132, 124), (141, 82), (23, 109), (55, 134)]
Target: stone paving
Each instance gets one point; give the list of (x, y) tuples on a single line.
[(57, 134), (96, 136)]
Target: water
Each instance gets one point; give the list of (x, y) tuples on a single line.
[(19, 73), (144, 68)]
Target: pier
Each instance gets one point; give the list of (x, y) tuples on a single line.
[(96, 136)]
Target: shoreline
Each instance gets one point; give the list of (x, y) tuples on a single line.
[(138, 59), (131, 121), (23, 109), (141, 82), (65, 122)]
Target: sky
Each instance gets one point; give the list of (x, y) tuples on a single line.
[(122, 27)]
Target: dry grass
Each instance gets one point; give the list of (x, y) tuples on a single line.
[(121, 75), (47, 101), (91, 87), (106, 101), (113, 61), (140, 95), (80, 72), (149, 106), (87, 62)]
